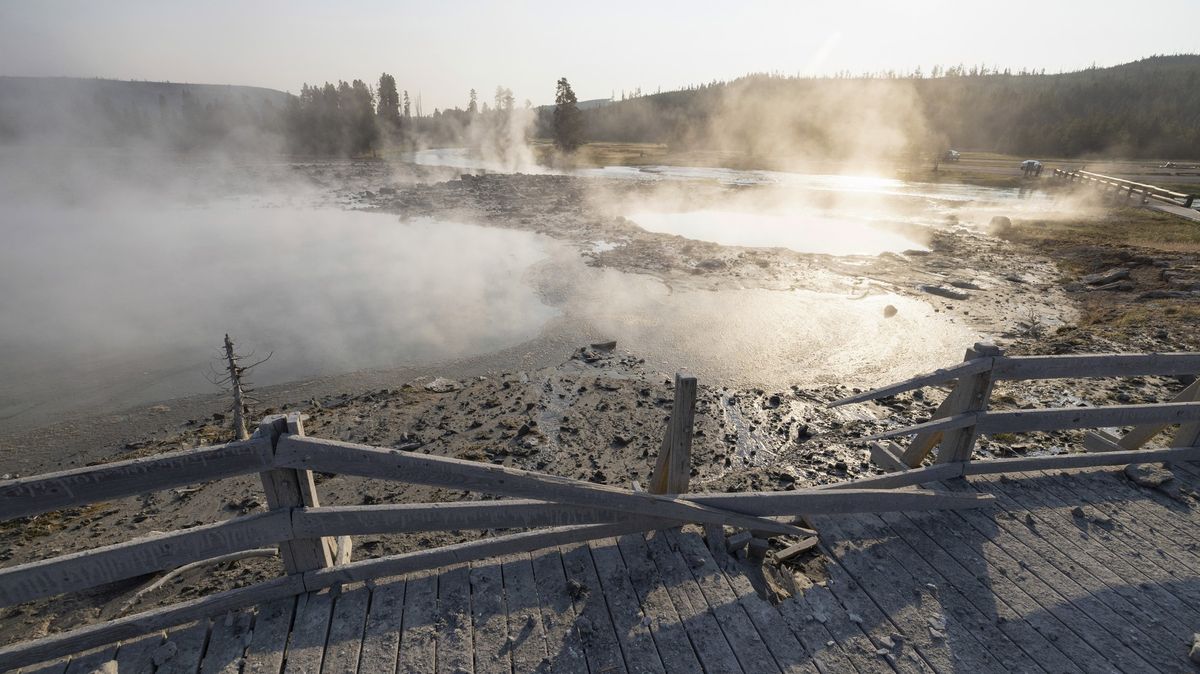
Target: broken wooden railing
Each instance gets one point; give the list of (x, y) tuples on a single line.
[(314, 539), (1147, 192), (964, 415)]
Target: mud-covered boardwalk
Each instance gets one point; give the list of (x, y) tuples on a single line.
[(1071, 572)]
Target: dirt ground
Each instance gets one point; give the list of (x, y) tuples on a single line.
[(599, 413)]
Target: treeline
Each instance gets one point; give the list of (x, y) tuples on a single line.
[(1150, 108)]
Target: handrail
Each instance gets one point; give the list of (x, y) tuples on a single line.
[(1148, 191)]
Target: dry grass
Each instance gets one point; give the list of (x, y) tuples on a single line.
[(1135, 227)]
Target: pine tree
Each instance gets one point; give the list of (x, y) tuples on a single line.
[(473, 106), (389, 101), (568, 121)]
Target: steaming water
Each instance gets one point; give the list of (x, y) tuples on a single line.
[(123, 306), (799, 231)]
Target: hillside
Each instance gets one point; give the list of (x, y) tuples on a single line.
[(113, 112), (1149, 108)]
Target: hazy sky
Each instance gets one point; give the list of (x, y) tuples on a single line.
[(443, 49)]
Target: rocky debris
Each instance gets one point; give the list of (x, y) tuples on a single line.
[(890, 311), (999, 225), (576, 589), (1194, 653), (965, 285), (164, 653), (443, 385), (1170, 295), (942, 291), (1148, 474), (1106, 277), (605, 347)]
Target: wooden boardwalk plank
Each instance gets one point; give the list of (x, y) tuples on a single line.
[(1036, 521), (91, 660), (1104, 629), (1006, 651), (595, 625), (188, 647), (227, 643), (269, 637), (862, 549), (878, 629), (418, 643), (789, 654), (563, 644), (489, 619), (526, 634), (58, 666), (847, 634), (1005, 609), (306, 645), (825, 652), (712, 648), (1147, 513), (988, 552), (674, 648), (632, 626), (454, 630), (136, 656), (385, 618), (346, 628)]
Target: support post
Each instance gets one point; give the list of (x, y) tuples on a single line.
[(958, 443), (968, 391), (291, 488), (673, 470)]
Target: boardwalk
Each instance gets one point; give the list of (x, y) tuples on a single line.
[(1071, 572)]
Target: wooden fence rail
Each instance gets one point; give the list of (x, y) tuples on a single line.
[(1130, 187), (964, 415)]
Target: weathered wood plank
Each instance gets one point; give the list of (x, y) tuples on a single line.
[(1006, 651), (999, 600), (674, 648), (818, 643), (268, 640), (937, 377), (36, 494), (58, 666), (366, 461), (938, 424), (1007, 558), (908, 478), (712, 648), (526, 634), (489, 619), (89, 568), (855, 644), (1089, 561), (1096, 365), (682, 418), (91, 661), (454, 628), (1067, 461), (187, 648), (859, 546), (631, 624), (451, 516), (1018, 421), (563, 644), (227, 642), (306, 644), (418, 653), (887, 457), (135, 656), (732, 589), (594, 624), (458, 553), (64, 643), (972, 394), (346, 627), (381, 637), (839, 501), (288, 487)]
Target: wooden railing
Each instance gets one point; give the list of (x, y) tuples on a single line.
[(964, 414), (1147, 192), (314, 540)]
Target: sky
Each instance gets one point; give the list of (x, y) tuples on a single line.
[(441, 50)]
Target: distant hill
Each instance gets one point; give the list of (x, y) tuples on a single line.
[(1148, 108), (117, 112)]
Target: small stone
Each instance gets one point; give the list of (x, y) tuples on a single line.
[(1148, 474), (164, 653), (1194, 653), (890, 311), (443, 385)]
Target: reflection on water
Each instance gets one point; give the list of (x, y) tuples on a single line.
[(801, 231), (125, 306)]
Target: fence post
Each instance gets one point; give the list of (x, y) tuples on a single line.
[(673, 470), (969, 392), (292, 488), (958, 444)]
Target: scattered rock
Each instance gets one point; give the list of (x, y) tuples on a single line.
[(1194, 653), (1148, 474), (890, 311), (164, 653), (1106, 277), (999, 225), (942, 291), (604, 346), (1117, 286), (576, 589), (443, 385)]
